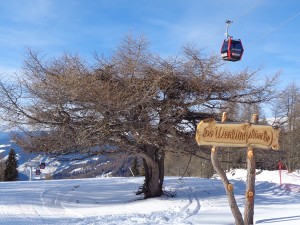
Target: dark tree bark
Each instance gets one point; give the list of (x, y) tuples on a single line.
[(154, 172)]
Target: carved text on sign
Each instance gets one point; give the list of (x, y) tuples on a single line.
[(209, 132)]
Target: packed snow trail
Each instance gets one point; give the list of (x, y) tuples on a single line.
[(112, 201)]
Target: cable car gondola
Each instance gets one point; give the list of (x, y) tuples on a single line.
[(232, 49), (42, 165), (37, 172)]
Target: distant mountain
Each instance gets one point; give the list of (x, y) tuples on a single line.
[(64, 166)]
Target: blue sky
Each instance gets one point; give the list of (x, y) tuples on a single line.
[(269, 29)]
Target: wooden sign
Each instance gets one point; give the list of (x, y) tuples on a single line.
[(210, 132)]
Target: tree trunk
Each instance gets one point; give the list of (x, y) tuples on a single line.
[(154, 171)]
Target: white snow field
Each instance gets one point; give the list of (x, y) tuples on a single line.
[(112, 201)]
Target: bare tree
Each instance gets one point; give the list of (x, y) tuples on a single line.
[(286, 112), (134, 101)]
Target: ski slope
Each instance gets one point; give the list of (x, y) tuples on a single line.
[(112, 201)]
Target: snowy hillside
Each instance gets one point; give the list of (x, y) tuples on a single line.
[(64, 166), (112, 201)]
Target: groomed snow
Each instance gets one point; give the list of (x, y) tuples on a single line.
[(112, 201)]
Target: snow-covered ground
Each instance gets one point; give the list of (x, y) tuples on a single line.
[(112, 201)]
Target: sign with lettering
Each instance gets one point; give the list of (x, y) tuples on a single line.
[(210, 132)]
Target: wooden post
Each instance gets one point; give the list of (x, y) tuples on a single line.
[(227, 185), (210, 132), (250, 183), (224, 117)]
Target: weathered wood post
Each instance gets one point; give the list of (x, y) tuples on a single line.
[(227, 185), (223, 134), (250, 183)]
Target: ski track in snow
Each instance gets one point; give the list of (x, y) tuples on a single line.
[(55, 201), (193, 206), (19, 212), (112, 201), (181, 215)]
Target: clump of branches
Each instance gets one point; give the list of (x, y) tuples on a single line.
[(133, 101)]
